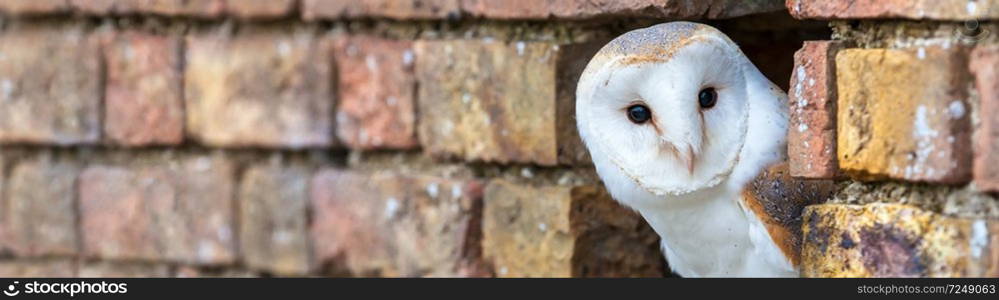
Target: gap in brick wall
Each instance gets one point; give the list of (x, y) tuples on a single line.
[(96, 155), (957, 201), (906, 33)]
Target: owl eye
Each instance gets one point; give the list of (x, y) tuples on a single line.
[(707, 98), (639, 114)]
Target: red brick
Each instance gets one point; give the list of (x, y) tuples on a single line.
[(395, 9), (197, 8), (393, 225), (39, 216), (212, 272), (143, 97), (565, 231), (99, 6), (38, 268), (812, 99), (33, 7), (50, 85), (105, 269), (376, 88), (984, 63), (180, 211), (262, 87), (177, 8), (903, 114), (260, 8), (499, 102), (273, 230), (579, 9), (893, 9)]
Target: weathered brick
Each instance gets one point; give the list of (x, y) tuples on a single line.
[(261, 87), (812, 133), (180, 211), (902, 114), (194, 272), (893, 9), (143, 97), (500, 102), (565, 231), (38, 215), (376, 88), (395, 9), (38, 268), (33, 7), (895, 240), (49, 85), (97, 6), (273, 219), (579, 9), (122, 270), (196, 8), (984, 62), (393, 225), (260, 8)]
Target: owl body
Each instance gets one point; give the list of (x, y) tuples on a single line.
[(680, 125)]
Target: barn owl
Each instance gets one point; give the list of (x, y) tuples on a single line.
[(683, 128)]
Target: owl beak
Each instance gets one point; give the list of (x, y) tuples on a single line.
[(687, 156)]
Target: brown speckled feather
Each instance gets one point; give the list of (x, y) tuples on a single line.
[(777, 199)]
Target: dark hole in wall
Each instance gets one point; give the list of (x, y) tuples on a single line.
[(770, 40)]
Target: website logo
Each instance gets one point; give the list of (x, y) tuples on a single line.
[(972, 32), (12, 290)]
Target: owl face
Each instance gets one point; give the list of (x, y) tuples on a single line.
[(665, 108)]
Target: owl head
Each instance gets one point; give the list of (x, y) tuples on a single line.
[(665, 108)]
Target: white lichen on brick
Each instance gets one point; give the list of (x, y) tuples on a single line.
[(407, 57), (284, 48), (391, 208), (956, 109), (924, 134), (371, 62), (6, 88), (527, 173), (799, 88), (979, 238), (432, 190)]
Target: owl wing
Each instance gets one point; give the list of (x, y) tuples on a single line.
[(777, 200)]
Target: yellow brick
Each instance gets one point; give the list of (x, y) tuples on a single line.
[(903, 114), (895, 240), (561, 231)]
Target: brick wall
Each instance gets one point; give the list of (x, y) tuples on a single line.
[(435, 138), (317, 137), (899, 106)]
